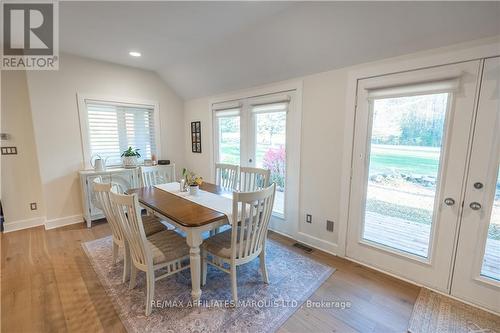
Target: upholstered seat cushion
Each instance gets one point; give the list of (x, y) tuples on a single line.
[(152, 225), (220, 244), (166, 246)]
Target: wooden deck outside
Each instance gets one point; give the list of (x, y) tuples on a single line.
[(414, 237)]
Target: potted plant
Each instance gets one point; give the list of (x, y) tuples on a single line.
[(192, 180), (129, 157)]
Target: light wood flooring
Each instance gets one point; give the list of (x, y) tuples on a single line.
[(48, 285)]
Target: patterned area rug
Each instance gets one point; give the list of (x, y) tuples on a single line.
[(263, 308), (436, 313)]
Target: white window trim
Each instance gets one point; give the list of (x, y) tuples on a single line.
[(125, 101)]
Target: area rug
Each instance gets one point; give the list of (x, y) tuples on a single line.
[(436, 313), (261, 307)]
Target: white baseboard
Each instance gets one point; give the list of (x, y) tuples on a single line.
[(23, 224), (314, 242), (317, 243), (63, 221)]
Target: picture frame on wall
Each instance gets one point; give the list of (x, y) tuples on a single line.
[(196, 137)]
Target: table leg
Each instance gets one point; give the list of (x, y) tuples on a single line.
[(194, 241)]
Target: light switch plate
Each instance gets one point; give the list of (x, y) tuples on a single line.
[(9, 150)]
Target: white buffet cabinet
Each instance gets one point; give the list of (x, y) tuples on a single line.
[(126, 178)]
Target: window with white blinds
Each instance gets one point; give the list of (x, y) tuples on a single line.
[(112, 128)]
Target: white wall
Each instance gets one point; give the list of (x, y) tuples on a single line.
[(21, 184), (53, 96), (326, 99)]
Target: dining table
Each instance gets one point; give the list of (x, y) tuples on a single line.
[(190, 217)]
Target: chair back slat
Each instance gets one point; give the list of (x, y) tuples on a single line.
[(251, 215), (253, 179), (158, 174), (255, 233), (102, 192), (226, 175), (128, 212)]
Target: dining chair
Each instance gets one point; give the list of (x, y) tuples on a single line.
[(226, 175), (245, 241), (253, 179), (158, 174), (164, 250), (151, 224)]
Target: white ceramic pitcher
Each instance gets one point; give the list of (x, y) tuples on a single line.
[(98, 163)]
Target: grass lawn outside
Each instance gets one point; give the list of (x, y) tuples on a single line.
[(396, 198)]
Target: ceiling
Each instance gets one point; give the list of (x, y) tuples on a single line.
[(205, 48)]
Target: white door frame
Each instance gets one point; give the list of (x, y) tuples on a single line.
[(293, 146), (435, 269), (448, 55)]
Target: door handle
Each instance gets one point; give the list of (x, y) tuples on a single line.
[(449, 201), (475, 205)]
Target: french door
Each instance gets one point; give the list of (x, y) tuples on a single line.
[(425, 189), (253, 132), (476, 276), (412, 132)]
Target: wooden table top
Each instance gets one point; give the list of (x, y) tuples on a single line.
[(178, 209)]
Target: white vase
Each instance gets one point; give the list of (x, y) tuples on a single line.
[(193, 190), (129, 161)]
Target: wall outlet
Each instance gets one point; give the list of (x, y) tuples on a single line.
[(33, 206), (329, 225), (309, 218)]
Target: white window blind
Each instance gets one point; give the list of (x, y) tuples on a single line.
[(227, 113), (112, 128), (269, 108), (424, 88)]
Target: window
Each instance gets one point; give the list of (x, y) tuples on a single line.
[(270, 146), (109, 128), (252, 132), (228, 125)]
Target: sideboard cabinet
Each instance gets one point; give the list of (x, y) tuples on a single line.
[(126, 178)]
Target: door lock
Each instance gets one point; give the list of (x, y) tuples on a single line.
[(478, 185), (449, 201), (475, 205)]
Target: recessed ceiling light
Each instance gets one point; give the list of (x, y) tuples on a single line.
[(135, 54)]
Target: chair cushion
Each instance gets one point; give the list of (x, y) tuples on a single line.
[(166, 246), (220, 244), (152, 225)]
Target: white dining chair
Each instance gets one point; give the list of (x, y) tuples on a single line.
[(246, 240), (226, 175), (253, 179), (158, 174), (164, 250), (152, 224)]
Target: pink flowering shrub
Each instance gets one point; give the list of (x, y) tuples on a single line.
[(274, 160)]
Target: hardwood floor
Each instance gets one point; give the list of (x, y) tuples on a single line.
[(48, 285)]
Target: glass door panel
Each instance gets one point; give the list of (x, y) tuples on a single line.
[(405, 151), (228, 139), (270, 148)]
